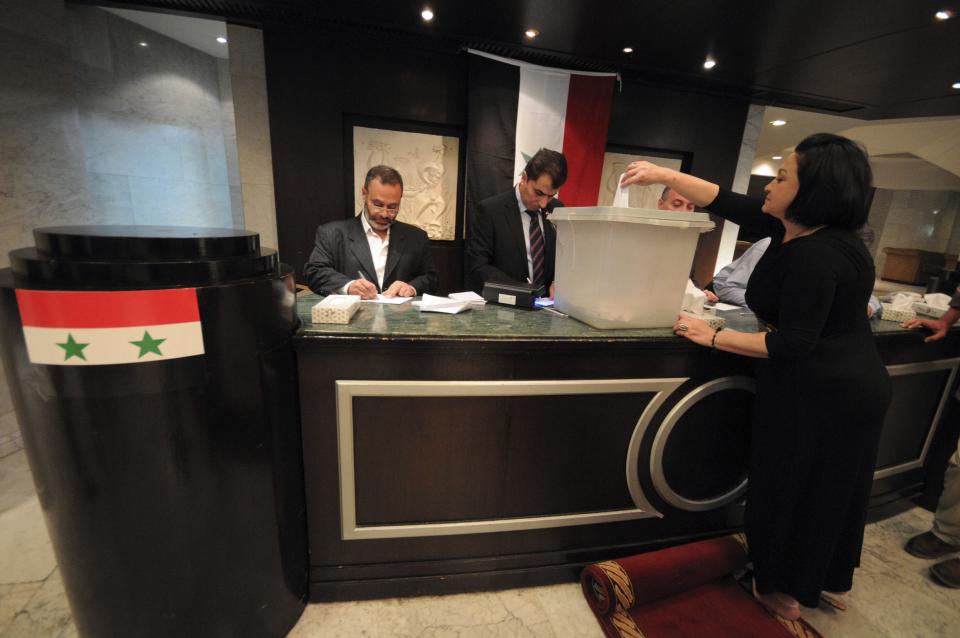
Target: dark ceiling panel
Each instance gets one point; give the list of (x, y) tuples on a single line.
[(868, 58)]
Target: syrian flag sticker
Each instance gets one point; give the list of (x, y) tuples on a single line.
[(77, 328)]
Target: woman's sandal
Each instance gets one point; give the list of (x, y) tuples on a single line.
[(834, 599), (778, 604)]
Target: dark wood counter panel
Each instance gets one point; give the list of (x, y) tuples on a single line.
[(504, 447)]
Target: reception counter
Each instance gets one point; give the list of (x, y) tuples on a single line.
[(504, 447)]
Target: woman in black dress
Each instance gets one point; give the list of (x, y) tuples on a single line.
[(822, 390)]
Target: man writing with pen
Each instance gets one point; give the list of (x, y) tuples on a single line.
[(373, 253)]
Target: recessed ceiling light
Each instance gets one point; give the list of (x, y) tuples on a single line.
[(531, 33), (143, 44), (943, 14), (709, 63), (956, 85), (221, 39), (426, 14), (628, 49), (778, 122), (778, 157)]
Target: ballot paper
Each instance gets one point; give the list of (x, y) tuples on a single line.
[(725, 306), (387, 300), (621, 199), (431, 303)]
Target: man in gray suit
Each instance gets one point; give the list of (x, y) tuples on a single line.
[(373, 253)]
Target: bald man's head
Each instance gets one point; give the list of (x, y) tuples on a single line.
[(672, 200)]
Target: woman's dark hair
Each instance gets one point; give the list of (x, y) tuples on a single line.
[(835, 178)]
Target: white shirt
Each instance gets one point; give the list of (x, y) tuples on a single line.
[(525, 224), (378, 250)]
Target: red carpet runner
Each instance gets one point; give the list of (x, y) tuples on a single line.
[(685, 591)]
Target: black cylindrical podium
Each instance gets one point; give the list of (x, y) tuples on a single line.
[(154, 382)]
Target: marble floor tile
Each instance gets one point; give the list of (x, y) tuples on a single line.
[(893, 595), (27, 552), (512, 613), (16, 482), (46, 614), (13, 598)]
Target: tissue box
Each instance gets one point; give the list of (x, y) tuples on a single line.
[(713, 321), (922, 308), (893, 314), (335, 309)]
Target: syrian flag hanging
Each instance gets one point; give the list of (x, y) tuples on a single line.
[(79, 328), (516, 108)]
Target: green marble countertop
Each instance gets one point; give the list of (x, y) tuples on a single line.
[(496, 323)]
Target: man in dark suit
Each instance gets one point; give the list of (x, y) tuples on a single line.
[(510, 238), (373, 253)]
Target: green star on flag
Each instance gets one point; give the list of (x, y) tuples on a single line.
[(73, 349), (148, 344)]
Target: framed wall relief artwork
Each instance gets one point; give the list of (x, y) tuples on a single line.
[(615, 162), (430, 166)]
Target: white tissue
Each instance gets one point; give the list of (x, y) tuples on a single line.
[(903, 300), (937, 300), (693, 299), (621, 199)]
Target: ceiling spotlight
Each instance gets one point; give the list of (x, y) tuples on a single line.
[(778, 122), (628, 49), (709, 63), (778, 157), (426, 14), (531, 33), (221, 39), (143, 44), (943, 14), (956, 85)]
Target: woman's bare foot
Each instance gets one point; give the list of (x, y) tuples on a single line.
[(781, 604)]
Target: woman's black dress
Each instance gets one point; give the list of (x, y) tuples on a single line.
[(820, 404)]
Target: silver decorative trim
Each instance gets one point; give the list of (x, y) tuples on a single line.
[(666, 428), (915, 368), (347, 390)]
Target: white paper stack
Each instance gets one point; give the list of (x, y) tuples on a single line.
[(468, 296), (335, 309), (432, 303)]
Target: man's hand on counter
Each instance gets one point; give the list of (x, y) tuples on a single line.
[(939, 327), (400, 289), (364, 288)]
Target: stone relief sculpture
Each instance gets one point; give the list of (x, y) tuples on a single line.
[(429, 165), (640, 196)]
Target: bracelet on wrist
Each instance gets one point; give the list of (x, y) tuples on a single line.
[(713, 341)]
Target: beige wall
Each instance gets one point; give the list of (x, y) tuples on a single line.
[(248, 79), (926, 220)]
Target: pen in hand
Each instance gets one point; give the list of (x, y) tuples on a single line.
[(367, 295)]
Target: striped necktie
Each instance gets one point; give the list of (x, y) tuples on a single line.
[(536, 247)]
